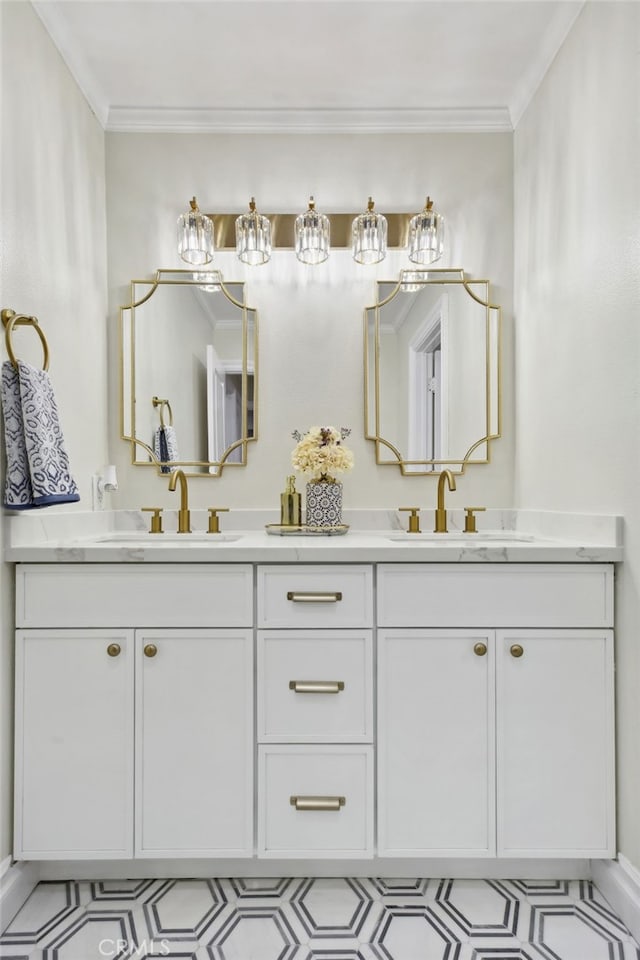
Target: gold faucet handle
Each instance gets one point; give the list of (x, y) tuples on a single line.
[(414, 519), (156, 519), (470, 520), (214, 520)]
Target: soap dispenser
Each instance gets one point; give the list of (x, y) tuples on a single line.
[(290, 505)]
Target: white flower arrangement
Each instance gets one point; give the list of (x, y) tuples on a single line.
[(321, 453)]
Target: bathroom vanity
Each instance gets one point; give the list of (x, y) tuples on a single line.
[(318, 698)]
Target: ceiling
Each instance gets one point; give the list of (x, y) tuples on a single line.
[(314, 65)]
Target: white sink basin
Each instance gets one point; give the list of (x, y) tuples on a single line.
[(492, 536), (134, 538)]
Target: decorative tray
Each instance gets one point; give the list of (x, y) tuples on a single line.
[(282, 530)]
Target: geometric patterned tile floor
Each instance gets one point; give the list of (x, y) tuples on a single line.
[(317, 919)]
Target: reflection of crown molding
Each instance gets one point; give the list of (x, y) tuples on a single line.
[(401, 120)]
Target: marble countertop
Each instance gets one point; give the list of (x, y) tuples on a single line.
[(375, 536)]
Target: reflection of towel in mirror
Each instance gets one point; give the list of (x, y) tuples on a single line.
[(37, 462), (165, 448)]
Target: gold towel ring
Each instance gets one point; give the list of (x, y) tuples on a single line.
[(12, 319), (159, 402)]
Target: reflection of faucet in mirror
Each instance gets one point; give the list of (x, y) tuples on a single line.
[(441, 513), (184, 517)]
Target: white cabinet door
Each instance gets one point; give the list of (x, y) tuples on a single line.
[(436, 769), (194, 743), (74, 744), (555, 749)]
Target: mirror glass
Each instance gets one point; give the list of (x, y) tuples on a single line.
[(189, 372), (432, 371)]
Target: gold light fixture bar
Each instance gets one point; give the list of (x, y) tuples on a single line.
[(282, 236)]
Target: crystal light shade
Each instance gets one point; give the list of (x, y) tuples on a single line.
[(312, 235), (195, 236), (426, 235), (369, 236), (253, 236)]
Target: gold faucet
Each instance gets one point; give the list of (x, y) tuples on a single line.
[(441, 513), (184, 517)]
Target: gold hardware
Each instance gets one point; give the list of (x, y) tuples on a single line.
[(470, 520), (480, 649), (114, 649), (316, 686), (150, 650), (441, 513), (156, 519), (184, 516), (317, 803), (11, 319), (314, 597), (159, 402), (414, 519), (516, 650), (282, 225), (214, 521)]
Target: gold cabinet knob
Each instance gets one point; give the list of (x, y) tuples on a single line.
[(516, 650), (150, 650), (114, 649), (480, 649)]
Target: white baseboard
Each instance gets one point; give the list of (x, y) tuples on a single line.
[(619, 882), (17, 882), (490, 868)]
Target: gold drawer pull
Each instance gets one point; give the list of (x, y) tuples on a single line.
[(150, 650), (480, 649), (114, 649), (516, 650), (314, 597), (317, 803), (316, 686)]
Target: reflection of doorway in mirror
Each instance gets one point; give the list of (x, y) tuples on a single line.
[(427, 399), (224, 406)]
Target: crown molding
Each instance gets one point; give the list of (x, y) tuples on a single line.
[(555, 36), (402, 120), (75, 62)]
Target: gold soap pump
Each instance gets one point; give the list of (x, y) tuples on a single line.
[(290, 505)]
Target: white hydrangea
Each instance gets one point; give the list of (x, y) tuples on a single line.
[(321, 453)]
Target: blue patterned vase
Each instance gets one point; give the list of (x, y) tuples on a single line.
[(324, 503)]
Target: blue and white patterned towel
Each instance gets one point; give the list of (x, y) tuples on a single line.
[(165, 448), (37, 462)]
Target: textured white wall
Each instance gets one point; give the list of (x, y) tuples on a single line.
[(54, 266), (577, 307), (311, 362)]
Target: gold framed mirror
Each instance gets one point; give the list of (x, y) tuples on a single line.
[(189, 372), (432, 368)]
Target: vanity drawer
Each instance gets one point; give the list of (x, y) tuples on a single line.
[(315, 777), (495, 595), (315, 686), (134, 595), (336, 595)]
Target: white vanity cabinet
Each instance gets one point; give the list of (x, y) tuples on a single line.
[(74, 744), (315, 711), (527, 772), (167, 710)]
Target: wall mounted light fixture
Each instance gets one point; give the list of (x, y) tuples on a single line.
[(311, 234), (253, 236), (195, 236), (426, 235), (369, 236)]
